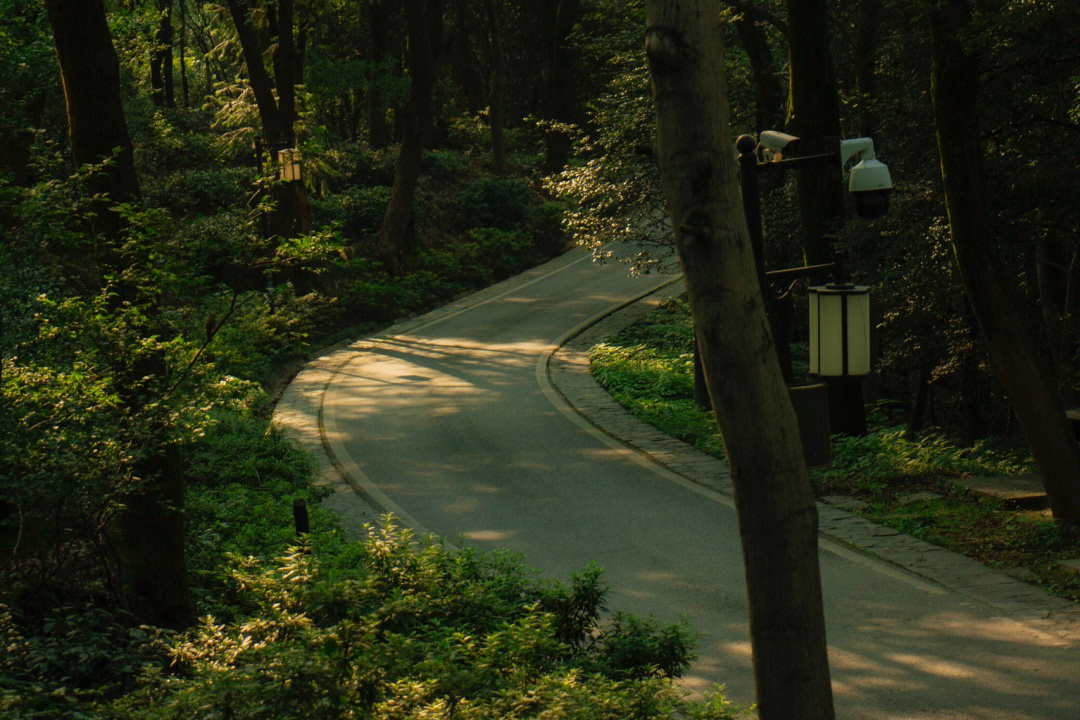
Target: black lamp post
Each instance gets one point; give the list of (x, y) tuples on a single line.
[(851, 322)]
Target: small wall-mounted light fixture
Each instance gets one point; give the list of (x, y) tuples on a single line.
[(289, 160), (839, 330)]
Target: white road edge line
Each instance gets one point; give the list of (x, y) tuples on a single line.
[(330, 435), (328, 430), (543, 378)]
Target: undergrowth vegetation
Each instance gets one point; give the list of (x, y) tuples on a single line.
[(901, 478)]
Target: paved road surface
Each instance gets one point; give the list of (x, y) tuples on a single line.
[(452, 425)]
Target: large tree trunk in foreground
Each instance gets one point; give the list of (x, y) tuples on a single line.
[(777, 513), (151, 526), (425, 26), (955, 88)]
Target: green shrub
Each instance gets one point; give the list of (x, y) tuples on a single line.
[(201, 190), (50, 669), (414, 630), (495, 202), (545, 221), (506, 253), (442, 164), (359, 210), (359, 166)]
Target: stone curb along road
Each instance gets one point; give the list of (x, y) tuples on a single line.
[(561, 372)]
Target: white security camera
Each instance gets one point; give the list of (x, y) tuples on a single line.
[(777, 144), (869, 181)]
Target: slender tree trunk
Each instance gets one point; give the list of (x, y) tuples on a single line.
[(1027, 383), (814, 116), (464, 68), (151, 526), (161, 70), (498, 96), (261, 84), (866, 39), (425, 27), (183, 53), (558, 88), (378, 23), (284, 60), (292, 214), (777, 513), (768, 90)]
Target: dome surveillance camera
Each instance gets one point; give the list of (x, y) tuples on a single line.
[(869, 181)]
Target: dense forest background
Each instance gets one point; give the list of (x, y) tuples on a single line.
[(157, 295)]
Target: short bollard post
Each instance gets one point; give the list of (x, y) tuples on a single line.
[(300, 518)]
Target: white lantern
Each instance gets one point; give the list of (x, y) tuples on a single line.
[(839, 330), (289, 159)]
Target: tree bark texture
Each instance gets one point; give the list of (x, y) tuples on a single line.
[(424, 21), (153, 567), (776, 509), (1027, 383)]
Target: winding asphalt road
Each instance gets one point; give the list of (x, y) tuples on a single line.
[(454, 427)]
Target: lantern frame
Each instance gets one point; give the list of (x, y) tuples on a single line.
[(289, 161), (839, 316)]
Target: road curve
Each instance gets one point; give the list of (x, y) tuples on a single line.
[(451, 426)]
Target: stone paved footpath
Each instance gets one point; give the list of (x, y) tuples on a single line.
[(299, 412)]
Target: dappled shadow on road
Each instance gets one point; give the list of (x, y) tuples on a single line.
[(467, 442), (893, 657)]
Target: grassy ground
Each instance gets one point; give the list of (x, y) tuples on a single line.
[(905, 481)]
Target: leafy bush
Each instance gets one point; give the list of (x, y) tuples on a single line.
[(358, 166), (201, 190), (894, 453), (415, 630), (442, 164), (263, 327), (496, 202), (71, 657)]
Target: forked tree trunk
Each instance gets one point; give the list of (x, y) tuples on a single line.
[(1027, 383), (425, 26), (776, 509), (151, 526)]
